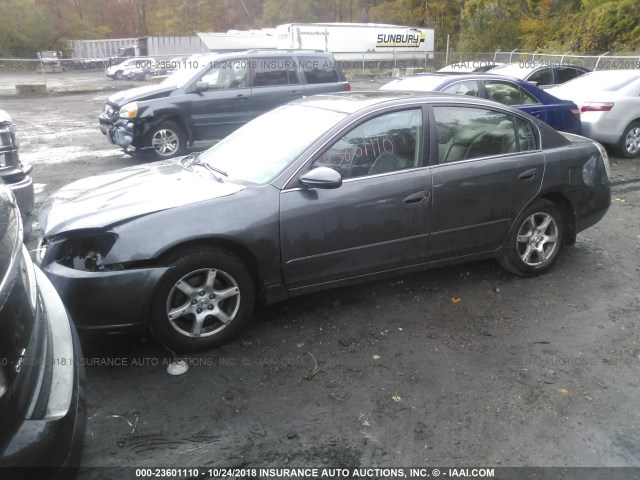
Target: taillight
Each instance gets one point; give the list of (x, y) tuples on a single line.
[(596, 107), (347, 88), (575, 113)]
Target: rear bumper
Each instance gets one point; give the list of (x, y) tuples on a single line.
[(591, 204), (48, 447)]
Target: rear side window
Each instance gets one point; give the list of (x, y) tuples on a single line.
[(319, 69), (275, 71), (564, 74), (464, 133)]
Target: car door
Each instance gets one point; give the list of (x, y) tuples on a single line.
[(511, 94), (223, 104), (274, 82), (376, 220), (487, 168)]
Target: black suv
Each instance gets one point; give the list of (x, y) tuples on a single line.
[(213, 95)]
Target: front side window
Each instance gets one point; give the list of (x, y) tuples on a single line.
[(508, 93), (543, 76), (464, 133), (469, 87), (387, 143), (226, 74)]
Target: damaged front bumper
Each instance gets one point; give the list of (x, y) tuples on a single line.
[(116, 301), (121, 132)]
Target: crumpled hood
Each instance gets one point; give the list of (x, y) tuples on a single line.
[(103, 200), (140, 93)]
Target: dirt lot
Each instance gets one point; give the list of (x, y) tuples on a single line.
[(458, 366)]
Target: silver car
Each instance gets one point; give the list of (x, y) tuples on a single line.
[(609, 102)]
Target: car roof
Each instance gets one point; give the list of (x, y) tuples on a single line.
[(448, 78), (522, 69), (352, 102)]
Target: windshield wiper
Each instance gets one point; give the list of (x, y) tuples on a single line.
[(210, 168), (192, 159)]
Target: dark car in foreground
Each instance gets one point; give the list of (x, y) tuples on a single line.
[(322, 192), (42, 392), (213, 95), (562, 115), (13, 172)]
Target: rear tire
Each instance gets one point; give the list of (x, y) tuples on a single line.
[(629, 146), (205, 300), (535, 241), (118, 75)]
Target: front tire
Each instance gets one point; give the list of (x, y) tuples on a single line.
[(204, 300), (167, 140), (535, 241), (629, 146), (119, 75)]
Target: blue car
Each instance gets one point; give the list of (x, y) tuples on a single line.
[(562, 115)]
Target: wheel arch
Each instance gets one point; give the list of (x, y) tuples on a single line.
[(627, 126), (174, 117), (238, 249), (568, 213)]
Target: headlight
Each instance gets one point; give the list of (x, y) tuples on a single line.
[(82, 252), (129, 110)]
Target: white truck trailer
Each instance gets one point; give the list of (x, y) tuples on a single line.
[(354, 42)]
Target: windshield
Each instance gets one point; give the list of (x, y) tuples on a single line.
[(263, 148), (420, 83), (187, 68)]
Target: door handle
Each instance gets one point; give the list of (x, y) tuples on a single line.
[(528, 175), (295, 92), (241, 97), (416, 198)]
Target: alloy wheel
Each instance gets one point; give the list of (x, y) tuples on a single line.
[(203, 302), (165, 142), (537, 239)]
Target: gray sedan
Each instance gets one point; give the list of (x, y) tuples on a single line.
[(325, 191)]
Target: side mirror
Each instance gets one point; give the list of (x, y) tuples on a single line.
[(322, 177), (200, 87)]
